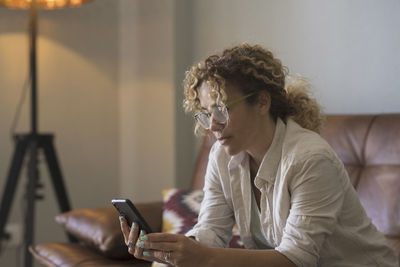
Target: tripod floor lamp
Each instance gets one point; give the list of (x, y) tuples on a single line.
[(32, 143)]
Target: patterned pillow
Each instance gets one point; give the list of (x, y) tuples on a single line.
[(180, 211)]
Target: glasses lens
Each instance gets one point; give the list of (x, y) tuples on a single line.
[(220, 114), (203, 120)]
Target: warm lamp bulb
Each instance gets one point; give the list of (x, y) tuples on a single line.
[(46, 4)]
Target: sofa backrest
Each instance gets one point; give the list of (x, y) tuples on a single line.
[(369, 146), (200, 166)]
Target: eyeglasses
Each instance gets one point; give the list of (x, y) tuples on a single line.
[(220, 113)]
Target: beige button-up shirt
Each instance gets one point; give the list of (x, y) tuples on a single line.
[(310, 212)]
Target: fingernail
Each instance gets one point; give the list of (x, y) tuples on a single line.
[(120, 218), (133, 225), (141, 233), (146, 253), (144, 237), (140, 244)]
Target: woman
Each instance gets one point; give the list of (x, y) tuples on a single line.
[(270, 172)]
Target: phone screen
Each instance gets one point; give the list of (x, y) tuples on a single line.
[(126, 208)]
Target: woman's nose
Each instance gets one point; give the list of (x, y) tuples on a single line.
[(215, 125)]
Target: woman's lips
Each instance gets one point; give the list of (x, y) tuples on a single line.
[(223, 140)]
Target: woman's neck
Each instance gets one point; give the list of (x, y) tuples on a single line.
[(261, 143)]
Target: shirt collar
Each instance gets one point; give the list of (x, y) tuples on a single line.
[(269, 164), (236, 160)]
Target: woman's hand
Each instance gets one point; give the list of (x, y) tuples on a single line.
[(173, 249), (131, 237), (176, 250)]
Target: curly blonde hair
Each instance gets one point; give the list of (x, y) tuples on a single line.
[(253, 69)]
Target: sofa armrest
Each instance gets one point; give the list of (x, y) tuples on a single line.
[(76, 255)]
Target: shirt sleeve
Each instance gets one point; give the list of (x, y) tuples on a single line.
[(317, 193), (216, 217)]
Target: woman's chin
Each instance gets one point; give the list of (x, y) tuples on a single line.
[(231, 151)]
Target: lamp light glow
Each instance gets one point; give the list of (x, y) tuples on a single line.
[(45, 4)]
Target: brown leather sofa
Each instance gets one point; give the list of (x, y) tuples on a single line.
[(369, 146)]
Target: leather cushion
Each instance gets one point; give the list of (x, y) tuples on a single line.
[(378, 191), (347, 136), (100, 229), (383, 144), (370, 149)]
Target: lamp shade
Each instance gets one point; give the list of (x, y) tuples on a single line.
[(46, 4)]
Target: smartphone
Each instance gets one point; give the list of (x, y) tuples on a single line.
[(126, 208)]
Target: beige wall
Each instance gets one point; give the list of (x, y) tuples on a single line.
[(156, 138), (146, 111), (106, 80), (78, 102), (185, 141), (349, 49)]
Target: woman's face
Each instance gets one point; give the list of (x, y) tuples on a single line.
[(236, 135)]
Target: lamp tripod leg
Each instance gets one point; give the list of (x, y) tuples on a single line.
[(56, 176), (12, 181), (33, 177), (31, 144)]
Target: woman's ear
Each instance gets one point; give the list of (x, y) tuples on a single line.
[(264, 102)]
